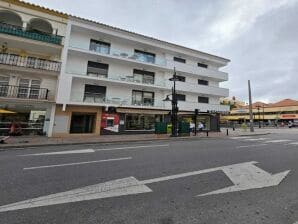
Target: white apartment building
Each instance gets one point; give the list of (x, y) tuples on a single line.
[(31, 40), (115, 81)]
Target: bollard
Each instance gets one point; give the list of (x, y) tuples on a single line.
[(207, 133), (227, 131)]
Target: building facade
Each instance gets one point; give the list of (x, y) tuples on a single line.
[(113, 81), (282, 111), (31, 39)]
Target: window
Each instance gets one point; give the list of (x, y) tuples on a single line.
[(82, 123), (94, 93), (202, 65), (145, 56), (4, 82), (143, 76), (202, 99), (180, 97), (97, 69), (203, 82), (110, 122), (181, 60), (142, 98), (99, 46), (180, 78), (35, 89), (140, 121)]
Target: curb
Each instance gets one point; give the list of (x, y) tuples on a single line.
[(22, 147)]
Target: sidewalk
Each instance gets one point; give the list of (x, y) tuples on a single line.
[(34, 141)]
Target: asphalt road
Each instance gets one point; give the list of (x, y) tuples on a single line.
[(171, 199)]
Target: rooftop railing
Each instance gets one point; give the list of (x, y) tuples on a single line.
[(20, 32), (29, 62)]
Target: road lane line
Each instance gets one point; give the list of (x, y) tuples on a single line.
[(255, 139), (247, 146), (61, 152), (278, 141), (79, 163), (293, 143), (133, 147), (240, 137)]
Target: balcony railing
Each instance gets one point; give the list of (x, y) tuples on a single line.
[(29, 62), (122, 54), (20, 32), (101, 98), (23, 92)]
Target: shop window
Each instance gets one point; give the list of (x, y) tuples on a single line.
[(110, 122), (97, 69), (140, 121), (99, 46), (202, 99), (82, 123)]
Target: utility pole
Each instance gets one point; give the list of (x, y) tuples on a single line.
[(250, 109)]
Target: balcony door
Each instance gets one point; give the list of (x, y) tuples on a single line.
[(4, 82), (142, 98), (29, 88), (94, 93), (97, 69)]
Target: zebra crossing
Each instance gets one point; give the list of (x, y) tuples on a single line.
[(262, 141)]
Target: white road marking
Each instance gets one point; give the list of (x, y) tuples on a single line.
[(133, 147), (248, 146), (245, 176), (277, 141), (240, 137), (255, 139), (61, 152), (78, 163), (293, 143)]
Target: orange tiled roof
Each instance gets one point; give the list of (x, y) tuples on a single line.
[(285, 103)]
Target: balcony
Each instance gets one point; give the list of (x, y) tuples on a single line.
[(120, 54), (29, 62), (202, 89), (125, 79), (193, 69), (20, 32), (23, 92), (102, 99)]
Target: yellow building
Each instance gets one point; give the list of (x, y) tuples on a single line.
[(282, 111)]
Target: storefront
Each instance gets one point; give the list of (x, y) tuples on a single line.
[(130, 121)]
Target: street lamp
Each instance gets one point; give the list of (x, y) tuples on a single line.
[(174, 112), (258, 107)]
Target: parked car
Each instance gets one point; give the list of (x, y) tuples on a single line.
[(292, 124)]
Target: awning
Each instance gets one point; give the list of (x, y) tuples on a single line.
[(139, 111), (3, 111)]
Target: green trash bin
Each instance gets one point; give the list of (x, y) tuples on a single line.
[(160, 128), (184, 129)]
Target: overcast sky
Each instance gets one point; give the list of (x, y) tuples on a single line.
[(260, 37)]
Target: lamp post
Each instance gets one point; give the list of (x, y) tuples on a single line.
[(263, 116), (174, 112), (258, 107)]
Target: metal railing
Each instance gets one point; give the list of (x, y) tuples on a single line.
[(20, 32), (101, 98), (29, 62), (23, 92)]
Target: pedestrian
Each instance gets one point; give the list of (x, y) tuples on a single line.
[(201, 126)]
